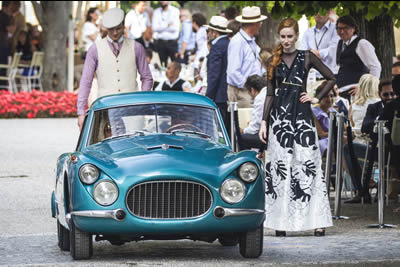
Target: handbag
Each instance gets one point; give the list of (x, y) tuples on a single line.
[(396, 130)]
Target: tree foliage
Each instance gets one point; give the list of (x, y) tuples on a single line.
[(295, 9)]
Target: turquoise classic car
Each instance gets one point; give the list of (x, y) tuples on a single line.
[(157, 165)]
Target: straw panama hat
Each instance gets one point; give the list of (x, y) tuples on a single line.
[(113, 17), (251, 15), (218, 24)]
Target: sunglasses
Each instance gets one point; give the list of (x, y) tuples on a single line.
[(387, 94), (346, 28)]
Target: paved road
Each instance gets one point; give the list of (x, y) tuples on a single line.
[(28, 154)]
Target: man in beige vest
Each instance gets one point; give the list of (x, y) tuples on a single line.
[(116, 61)]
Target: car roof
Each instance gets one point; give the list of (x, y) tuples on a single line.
[(151, 97)]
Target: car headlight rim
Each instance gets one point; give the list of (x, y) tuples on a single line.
[(228, 198), (102, 188), (84, 173), (248, 172)]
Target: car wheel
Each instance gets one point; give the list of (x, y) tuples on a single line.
[(81, 243), (251, 243), (63, 237), (228, 241)]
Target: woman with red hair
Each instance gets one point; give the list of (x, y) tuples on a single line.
[(296, 191)]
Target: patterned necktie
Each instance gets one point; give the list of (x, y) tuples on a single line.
[(115, 48)]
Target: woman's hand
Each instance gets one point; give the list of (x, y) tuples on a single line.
[(262, 134), (304, 97)]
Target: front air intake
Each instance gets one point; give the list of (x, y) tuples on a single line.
[(169, 200)]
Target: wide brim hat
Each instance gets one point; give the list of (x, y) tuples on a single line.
[(219, 24), (113, 17), (251, 15)]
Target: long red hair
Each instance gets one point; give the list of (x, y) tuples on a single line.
[(278, 51)]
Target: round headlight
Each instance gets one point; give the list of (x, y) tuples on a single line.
[(248, 172), (105, 193), (233, 191), (88, 174)]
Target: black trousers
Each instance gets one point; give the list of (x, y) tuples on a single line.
[(166, 49)]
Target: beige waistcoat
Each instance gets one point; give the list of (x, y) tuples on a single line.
[(116, 74)]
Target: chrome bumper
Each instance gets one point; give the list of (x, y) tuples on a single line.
[(228, 212), (118, 214)]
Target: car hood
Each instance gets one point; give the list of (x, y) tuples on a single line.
[(165, 156)]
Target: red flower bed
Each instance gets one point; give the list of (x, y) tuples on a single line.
[(38, 104)]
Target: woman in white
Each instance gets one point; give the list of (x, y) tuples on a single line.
[(366, 94), (90, 31)]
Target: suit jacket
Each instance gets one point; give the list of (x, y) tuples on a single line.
[(388, 113), (373, 112), (217, 63)]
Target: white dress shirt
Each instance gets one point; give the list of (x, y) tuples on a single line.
[(166, 23), (257, 114), (89, 28), (366, 51), (243, 59), (136, 23), (324, 40)]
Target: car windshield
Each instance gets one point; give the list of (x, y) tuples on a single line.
[(140, 120)]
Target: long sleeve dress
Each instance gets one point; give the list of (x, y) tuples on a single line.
[(296, 191)]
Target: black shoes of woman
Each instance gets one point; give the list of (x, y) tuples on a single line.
[(280, 233), (319, 232)]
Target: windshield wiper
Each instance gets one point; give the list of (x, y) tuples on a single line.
[(135, 133), (191, 132)]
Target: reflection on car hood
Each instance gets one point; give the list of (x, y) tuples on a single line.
[(161, 154)]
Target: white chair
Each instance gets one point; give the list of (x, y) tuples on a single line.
[(11, 73), (35, 69), (244, 115)]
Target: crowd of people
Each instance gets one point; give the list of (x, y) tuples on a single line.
[(16, 36), (290, 118)]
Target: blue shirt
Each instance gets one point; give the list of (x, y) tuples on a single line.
[(323, 40), (243, 59), (186, 35)]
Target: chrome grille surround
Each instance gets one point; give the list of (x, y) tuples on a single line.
[(169, 199)]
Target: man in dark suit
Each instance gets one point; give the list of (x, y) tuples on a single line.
[(374, 112), (388, 115), (217, 63)]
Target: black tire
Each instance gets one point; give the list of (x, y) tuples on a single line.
[(228, 241), (63, 237), (81, 243), (251, 243)]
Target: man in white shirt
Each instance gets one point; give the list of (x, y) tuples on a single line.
[(321, 39), (165, 26), (354, 57), (137, 21), (256, 86), (244, 56)]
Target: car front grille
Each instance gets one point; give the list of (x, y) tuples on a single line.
[(169, 200)]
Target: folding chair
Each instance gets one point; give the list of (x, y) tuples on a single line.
[(11, 73), (34, 74)]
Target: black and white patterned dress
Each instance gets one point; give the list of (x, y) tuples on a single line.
[(296, 192)]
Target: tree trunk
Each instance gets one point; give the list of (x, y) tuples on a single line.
[(268, 36), (380, 33), (53, 16)]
